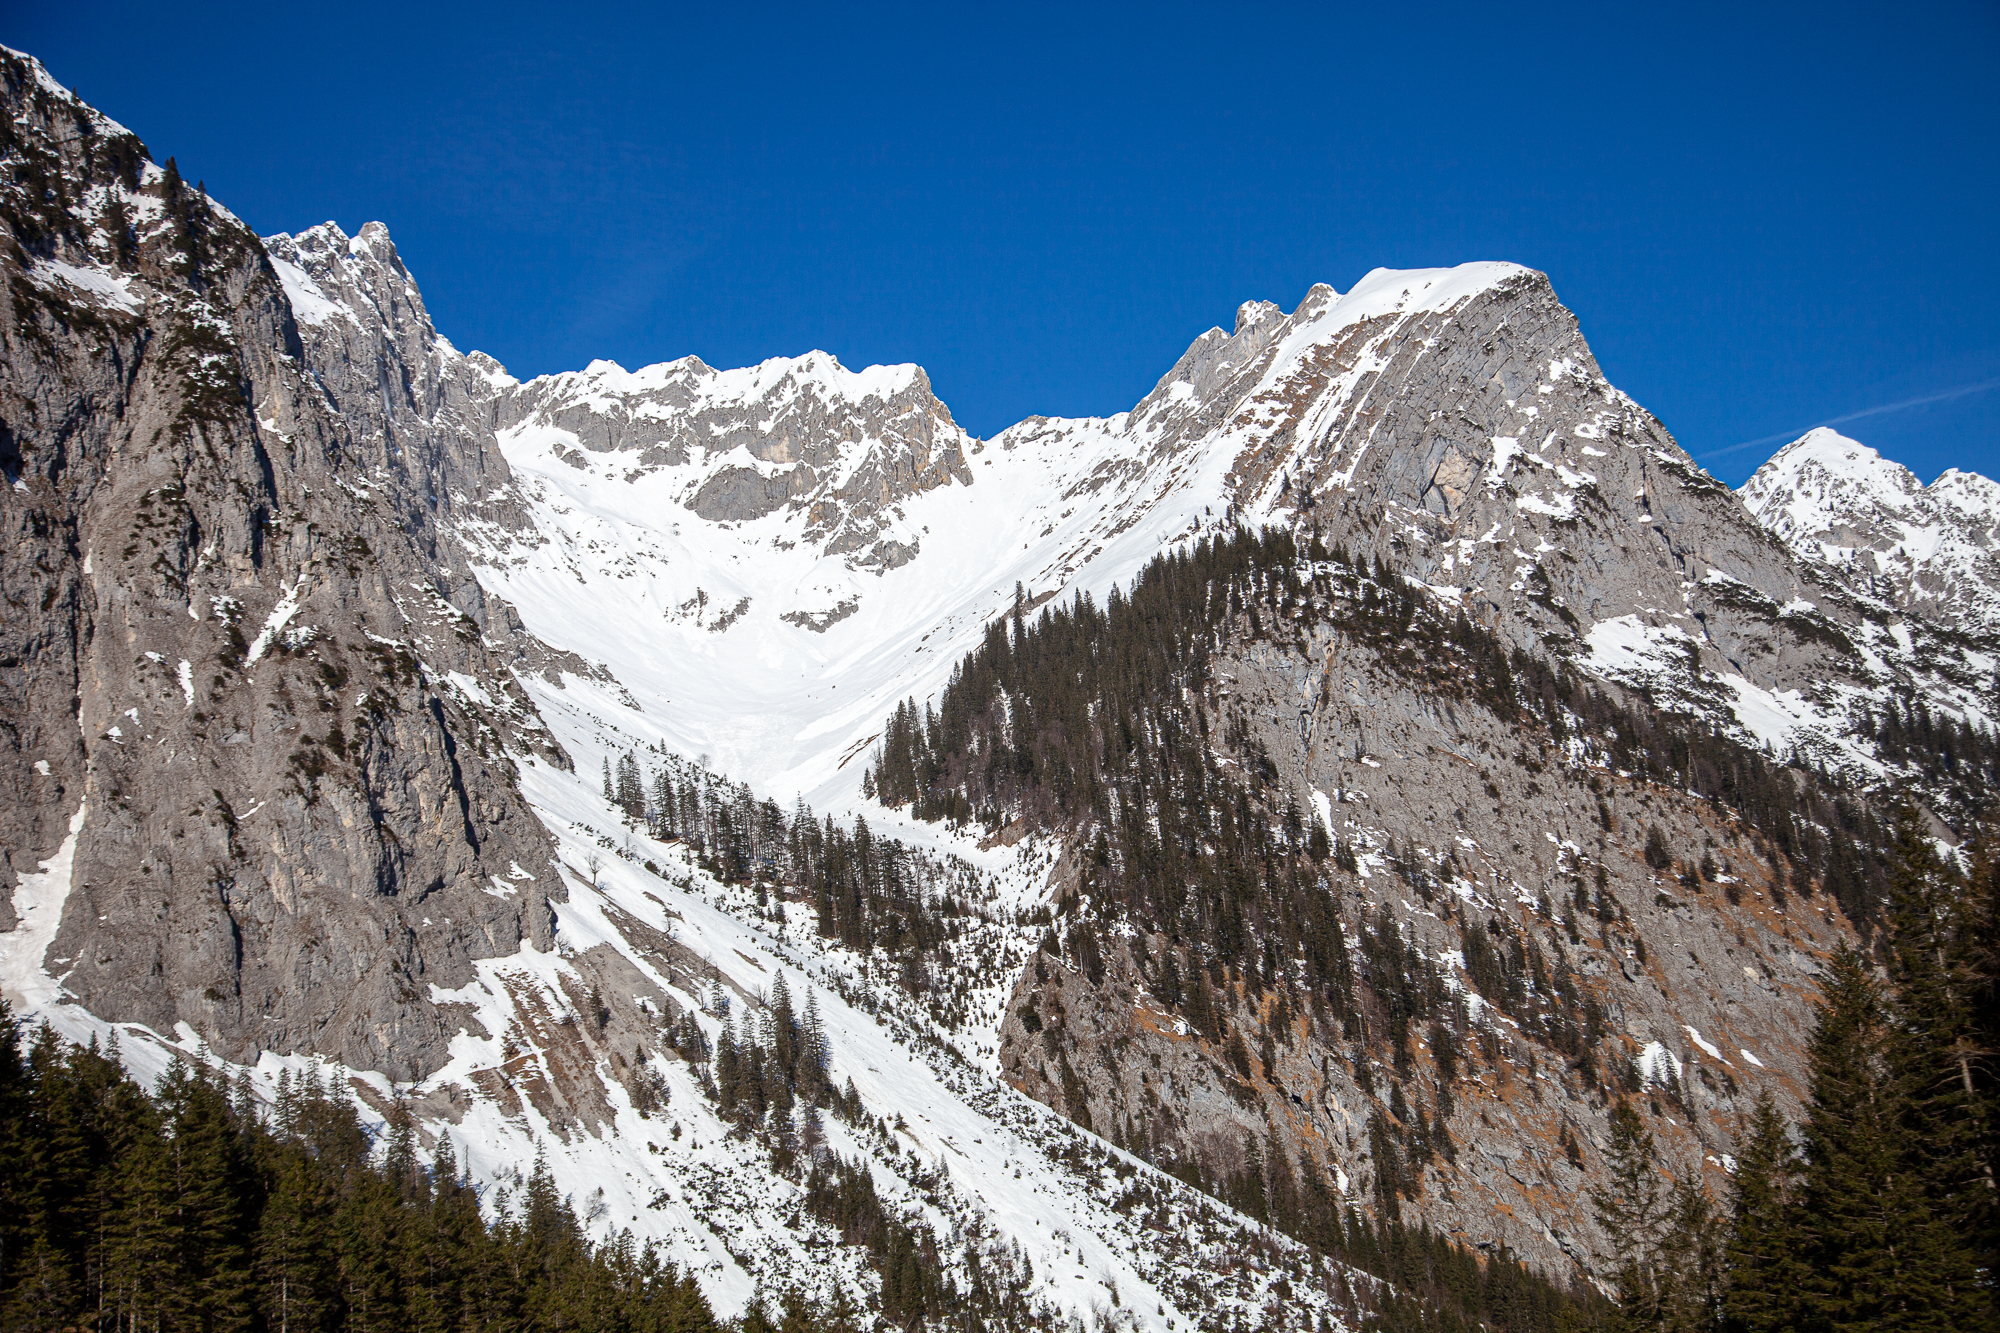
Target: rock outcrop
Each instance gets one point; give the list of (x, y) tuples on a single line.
[(308, 612), (1687, 996), (229, 696)]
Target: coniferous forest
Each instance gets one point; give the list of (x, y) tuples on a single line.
[(195, 1207), (1088, 718), (1107, 724), (1100, 717)]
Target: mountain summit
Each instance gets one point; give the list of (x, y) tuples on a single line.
[(1933, 550), (1231, 862)]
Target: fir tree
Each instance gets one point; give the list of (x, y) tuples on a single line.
[(1632, 1209), (1935, 1042), (190, 1211), (1765, 1245), (1881, 1258)]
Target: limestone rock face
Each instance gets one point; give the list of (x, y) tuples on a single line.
[(1709, 991), (1455, 423), (267, 713), (841, 447), (845, 447), (228, 688), (1930, 551)]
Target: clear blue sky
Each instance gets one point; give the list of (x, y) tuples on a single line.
[(1764, 217)]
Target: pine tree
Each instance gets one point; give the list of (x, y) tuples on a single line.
[(1881, 1258), (784, 1031), (1935, 1045), (1981, 916), (211, 1194), (1632, 1209), (665, 804), (1691, 1260), (814, 1054), (1765, 1244), (631, 787)]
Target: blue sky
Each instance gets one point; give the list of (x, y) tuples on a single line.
[(1765, 218)]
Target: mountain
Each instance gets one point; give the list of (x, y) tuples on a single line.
[(277, 829), (496, 749), (1926, 551)]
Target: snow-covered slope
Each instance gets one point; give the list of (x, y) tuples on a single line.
[(1933, 551), (739, 572), (648, 934), (764, 561), (759, 563)]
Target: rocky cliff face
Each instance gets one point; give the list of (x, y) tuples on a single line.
[(842, 449), (309, 613), (1931, 552), (1454, 426), (229, 722), (803, 435), (1455, 423), (1687, 993)]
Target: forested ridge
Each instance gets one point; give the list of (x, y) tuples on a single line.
[(1114, 722), (1112, 726), (197, 1207), (1099, 718)]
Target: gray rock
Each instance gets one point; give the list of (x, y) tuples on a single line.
[(227, 643)]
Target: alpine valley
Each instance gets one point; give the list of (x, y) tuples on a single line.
[(1217, 866)]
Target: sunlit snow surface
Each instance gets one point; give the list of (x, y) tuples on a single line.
[(621, 573), (1836, 500), (682, 623), (685, 615), (39, 898), (709, 1199)]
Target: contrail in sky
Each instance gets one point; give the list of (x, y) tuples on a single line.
[(1789, 436)]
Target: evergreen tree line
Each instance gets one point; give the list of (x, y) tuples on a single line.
[(1096, 722), (1189, 837), (768, 1072), (196, 1207), (916, 1291), (1953, 759), (1878, 1210), (734, 836), (1427, 1282), (866, 891), (1092, 717), (773, 1063)]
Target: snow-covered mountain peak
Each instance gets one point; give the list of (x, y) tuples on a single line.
[(1933, 550), (1969, 497), (1217, 360), (101, 126), (836, 450), (771, 382), (1252, 313), (1823, 482)]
